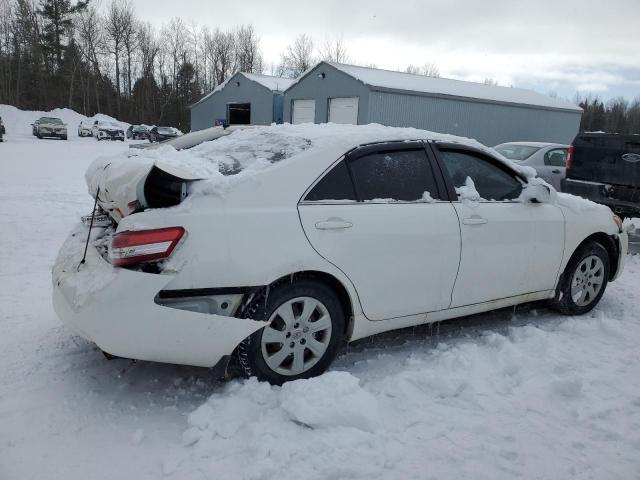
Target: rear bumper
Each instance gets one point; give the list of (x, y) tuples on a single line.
[(601, 193), (115, 308)]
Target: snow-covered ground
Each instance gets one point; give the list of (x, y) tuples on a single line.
[(511, 394)]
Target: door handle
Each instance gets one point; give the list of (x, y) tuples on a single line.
[(555, 171), (333, 224), (475, 221)]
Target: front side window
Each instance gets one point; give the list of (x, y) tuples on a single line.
[(335, 185), (401, 175), (491, 181), (556, 157)]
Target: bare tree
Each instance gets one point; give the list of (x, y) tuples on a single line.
[(115, 28), (129, 38), (335, 51), (429, 69), (222, 55), (298, 57), (490, 81), (247, 47)]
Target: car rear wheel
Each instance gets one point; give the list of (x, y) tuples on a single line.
[(584, 280), (305, 326)]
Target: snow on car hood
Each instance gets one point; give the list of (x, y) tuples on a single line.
[(245, 154)]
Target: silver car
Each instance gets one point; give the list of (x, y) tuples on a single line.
[(549, 159)]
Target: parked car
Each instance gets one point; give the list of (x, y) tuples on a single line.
[(84, 128), (319, 235), (50, 127), (138, 132), (604, 168), (160, 134), (104, 130), (548, 159), (2, 130)]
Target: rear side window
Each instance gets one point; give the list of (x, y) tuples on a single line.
[(491, 181), (335, 185), (403, 175), (556, 157)]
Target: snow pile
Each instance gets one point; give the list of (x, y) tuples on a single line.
[(18, 122), (556, 399)]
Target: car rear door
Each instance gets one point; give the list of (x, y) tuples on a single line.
[(509, 247), (554, 167), (378, 216)]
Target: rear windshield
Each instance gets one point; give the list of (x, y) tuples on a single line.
[(516, 152), (56, 121)]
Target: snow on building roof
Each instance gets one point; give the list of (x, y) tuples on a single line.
[(275, 84), (444, 86)]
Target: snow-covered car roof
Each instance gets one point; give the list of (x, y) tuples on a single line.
[(274, 164)]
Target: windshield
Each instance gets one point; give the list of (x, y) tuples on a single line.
[(108, 124), (166, 130), (56, 121), (516, 152)]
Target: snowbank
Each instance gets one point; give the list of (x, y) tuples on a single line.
[(18, 122), (560, 399)]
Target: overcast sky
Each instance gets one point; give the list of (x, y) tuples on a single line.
[(561, 46)]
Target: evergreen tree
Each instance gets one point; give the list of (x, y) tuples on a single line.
[(57, 17)]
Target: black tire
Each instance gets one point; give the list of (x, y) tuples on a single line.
[(39, 136), (250, 356), (564, 302)]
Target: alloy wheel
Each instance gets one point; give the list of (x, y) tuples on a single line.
[(587, 280), (297, 336)]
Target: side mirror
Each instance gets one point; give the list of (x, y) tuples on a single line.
[(537, 193)]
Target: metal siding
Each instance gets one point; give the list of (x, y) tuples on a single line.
[(334, 84), (488, 123), (261, 99)]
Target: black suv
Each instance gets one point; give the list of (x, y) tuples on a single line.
[(605, 168)]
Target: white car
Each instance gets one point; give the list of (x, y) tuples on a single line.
[(548, 159), (104, 130), (84, 128), (274, 245)]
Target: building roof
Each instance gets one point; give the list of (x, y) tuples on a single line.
[(407, 82), (275, 84)]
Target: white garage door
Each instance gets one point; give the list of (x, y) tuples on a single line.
[(343, 110), (304, 111)]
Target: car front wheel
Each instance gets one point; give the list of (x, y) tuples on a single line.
[(305, 326), (584, 280)]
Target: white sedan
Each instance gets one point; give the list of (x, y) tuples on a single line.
[(548, 159), (272, 246)]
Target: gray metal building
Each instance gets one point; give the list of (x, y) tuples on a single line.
[(332, 92), (243, 99)]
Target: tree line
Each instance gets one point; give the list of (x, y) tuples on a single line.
[(58, 53), (615, 116)]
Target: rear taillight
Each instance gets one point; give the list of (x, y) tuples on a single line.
[(132, 247), (570, 157)]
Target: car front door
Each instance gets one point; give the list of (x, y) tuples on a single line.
[(378, 217), (509, 247)]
